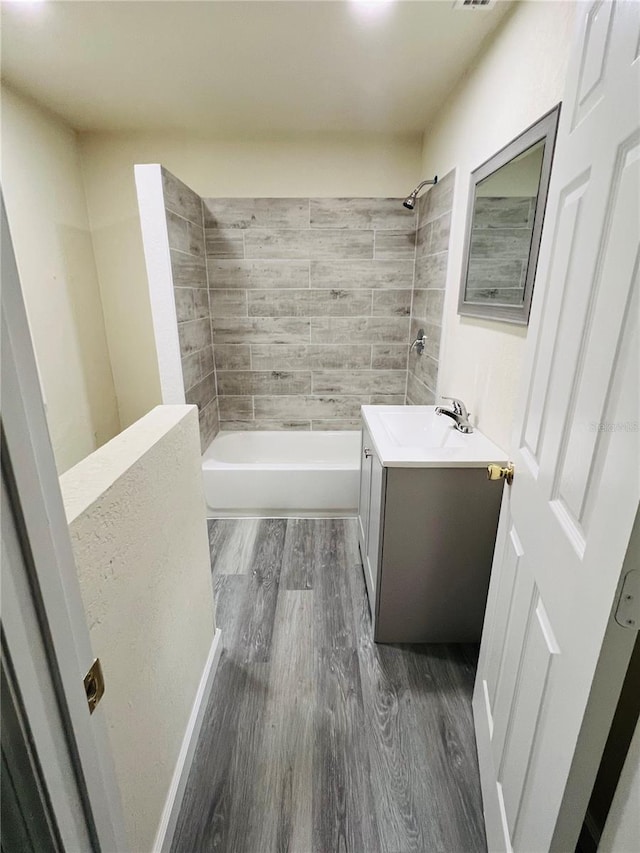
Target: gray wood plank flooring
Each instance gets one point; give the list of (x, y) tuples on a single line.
[(317, 740)]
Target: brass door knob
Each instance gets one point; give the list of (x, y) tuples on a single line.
[(497, 472)]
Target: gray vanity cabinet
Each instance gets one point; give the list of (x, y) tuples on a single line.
[(426, 538)]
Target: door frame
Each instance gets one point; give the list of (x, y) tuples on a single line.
[(45, 598)]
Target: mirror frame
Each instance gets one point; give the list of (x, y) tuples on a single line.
[(545, 128)]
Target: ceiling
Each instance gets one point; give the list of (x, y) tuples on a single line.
[(242, 67)]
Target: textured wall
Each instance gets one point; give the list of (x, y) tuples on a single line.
[(186, 244), (432, 254), (136, 517), (47, 210), (310, 305)]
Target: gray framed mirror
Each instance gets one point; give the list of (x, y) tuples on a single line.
[(507, 200)]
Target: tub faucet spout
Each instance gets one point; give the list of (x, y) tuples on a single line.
[(458, 414)]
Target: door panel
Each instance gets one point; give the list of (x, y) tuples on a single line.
[(567, 519)]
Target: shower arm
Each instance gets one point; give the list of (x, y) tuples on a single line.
[(432, 182)]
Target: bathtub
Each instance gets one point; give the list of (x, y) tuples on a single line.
[(282, 473)]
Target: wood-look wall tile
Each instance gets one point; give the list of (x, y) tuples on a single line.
[(497, 295), (262, 425), (269, 408), (180, 198), (395, 245), (228, 303), (338, 424), (235, 408), (431, 271), (370, 274), (309, 357), (342, 330), (329, 243), (309, 303), (440, 232), (352, 213), (233, 356), (387, 399), (226, 274), (192, 303), (194, 335), (391, 303), (418, 394), (507, 243), (433, 334), (202, 393), (389, 356), (209, 424), (184, 235), (196, 366), (489, 272), (188, 270), (424, 368), (505, 212), (359, 381), (438, 200), (256, 212), (260, 330), (428, 305), (223, 243), (263, 382)]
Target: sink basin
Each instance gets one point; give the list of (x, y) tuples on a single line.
[(417, 428), (414, 436)]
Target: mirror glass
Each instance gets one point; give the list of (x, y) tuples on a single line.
[(507, 199)]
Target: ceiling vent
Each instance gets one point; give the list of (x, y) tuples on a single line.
[(474, 4)]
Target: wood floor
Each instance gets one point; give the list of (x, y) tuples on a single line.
[(316, 740)]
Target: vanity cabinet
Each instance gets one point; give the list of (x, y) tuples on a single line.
[(426, 537)]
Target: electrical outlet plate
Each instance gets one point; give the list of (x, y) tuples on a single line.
[(464, 5)]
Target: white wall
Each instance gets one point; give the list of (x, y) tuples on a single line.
[(136, 517), (212, 167), (519, 77), (46, 208)]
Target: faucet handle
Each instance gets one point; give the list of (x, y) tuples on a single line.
[(458, 406)]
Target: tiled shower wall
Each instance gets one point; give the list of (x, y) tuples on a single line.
[(432, 252), (183, 209), (310, 305)]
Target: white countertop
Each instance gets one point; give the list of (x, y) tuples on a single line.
[(415, 437)]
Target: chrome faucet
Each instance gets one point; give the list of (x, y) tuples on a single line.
[(458, 413)]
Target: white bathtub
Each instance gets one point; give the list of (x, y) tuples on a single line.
[(282, 473)]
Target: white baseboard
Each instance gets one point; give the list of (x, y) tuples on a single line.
[(169, 817)]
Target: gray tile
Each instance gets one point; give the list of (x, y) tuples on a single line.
[(495, 295), (428, 305), (359, 381), (340, 424), (424, 368), (389, 356), (260, 330), (395, 245), (365, 274), (418, 394), (203, 392), (256, 212), (433, 334), (192, 303), (188, 270), (224, 243), (233, 356), (227, 274), (490, 272), (179, 198), (438, 200), (194, 336), (235, 408), (431, 271), (423, 241), (387, 399), (196, 366), (310, 357), (391, 303), (209, 424), (309, 303), (263, 382), (184, 235), (441, 229), (342, 330), (510, 212), (504, 243), (309, 407), (279, 425), (382, 213), (228, 303), (322, 243)]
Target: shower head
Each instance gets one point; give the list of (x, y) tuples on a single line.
[(410, 200)]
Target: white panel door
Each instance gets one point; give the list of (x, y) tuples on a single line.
[(566, 521)]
